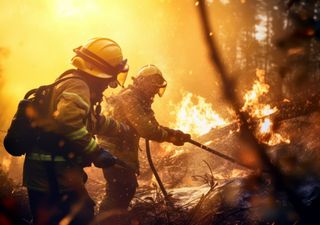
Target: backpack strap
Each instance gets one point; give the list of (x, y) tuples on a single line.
[(50, 166), (61, 79)]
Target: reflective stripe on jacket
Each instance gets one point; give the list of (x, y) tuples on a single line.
[(71, 118)]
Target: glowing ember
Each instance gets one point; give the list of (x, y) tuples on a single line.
[(196, 119), (277, 138)]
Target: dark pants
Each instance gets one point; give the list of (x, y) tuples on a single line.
[(74, 206), (120, 188)]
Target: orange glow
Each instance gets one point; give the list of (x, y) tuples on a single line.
[(40, 36), (252, 103), (265, 126), (261, 111), (196, 118), (277, 138), (5, 163), (69, 8)]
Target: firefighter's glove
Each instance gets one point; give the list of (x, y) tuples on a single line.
[(104, 159), (179, 138)]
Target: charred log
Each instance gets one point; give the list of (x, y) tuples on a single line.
[(289, 110)]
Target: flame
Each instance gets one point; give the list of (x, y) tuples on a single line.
[(277, 138), (252, 98), (196, 119), (265, 126), (261, 111)]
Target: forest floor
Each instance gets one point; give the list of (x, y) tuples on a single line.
[(207, 190)]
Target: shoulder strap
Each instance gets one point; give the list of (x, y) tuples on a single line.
[(62, 78)]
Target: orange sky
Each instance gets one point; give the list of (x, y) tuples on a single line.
[(40, 36)]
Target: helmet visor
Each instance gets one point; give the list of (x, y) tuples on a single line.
[(162, 89), (121, 78)]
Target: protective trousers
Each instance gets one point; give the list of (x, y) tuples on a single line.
[(120, 188)]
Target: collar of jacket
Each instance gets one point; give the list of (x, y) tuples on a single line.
[(96, 95)]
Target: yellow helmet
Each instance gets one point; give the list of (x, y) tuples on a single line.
[(152, 76), (101, 58)]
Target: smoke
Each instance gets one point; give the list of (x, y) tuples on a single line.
[(41, 36), (4, 53)]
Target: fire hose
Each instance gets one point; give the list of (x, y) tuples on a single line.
[(204, 147), (219, 154), (167, 199), (155, 172)]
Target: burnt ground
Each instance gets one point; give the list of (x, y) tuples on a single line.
[(208, 190)]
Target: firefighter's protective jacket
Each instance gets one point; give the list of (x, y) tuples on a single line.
[(71, 117), (133, 108)]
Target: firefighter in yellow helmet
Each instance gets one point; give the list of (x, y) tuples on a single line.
[(53, 168), (133, 107)]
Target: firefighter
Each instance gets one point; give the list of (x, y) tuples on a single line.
[(133, 107), (53, 169)]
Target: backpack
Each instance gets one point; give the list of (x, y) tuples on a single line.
[(22, 136)]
